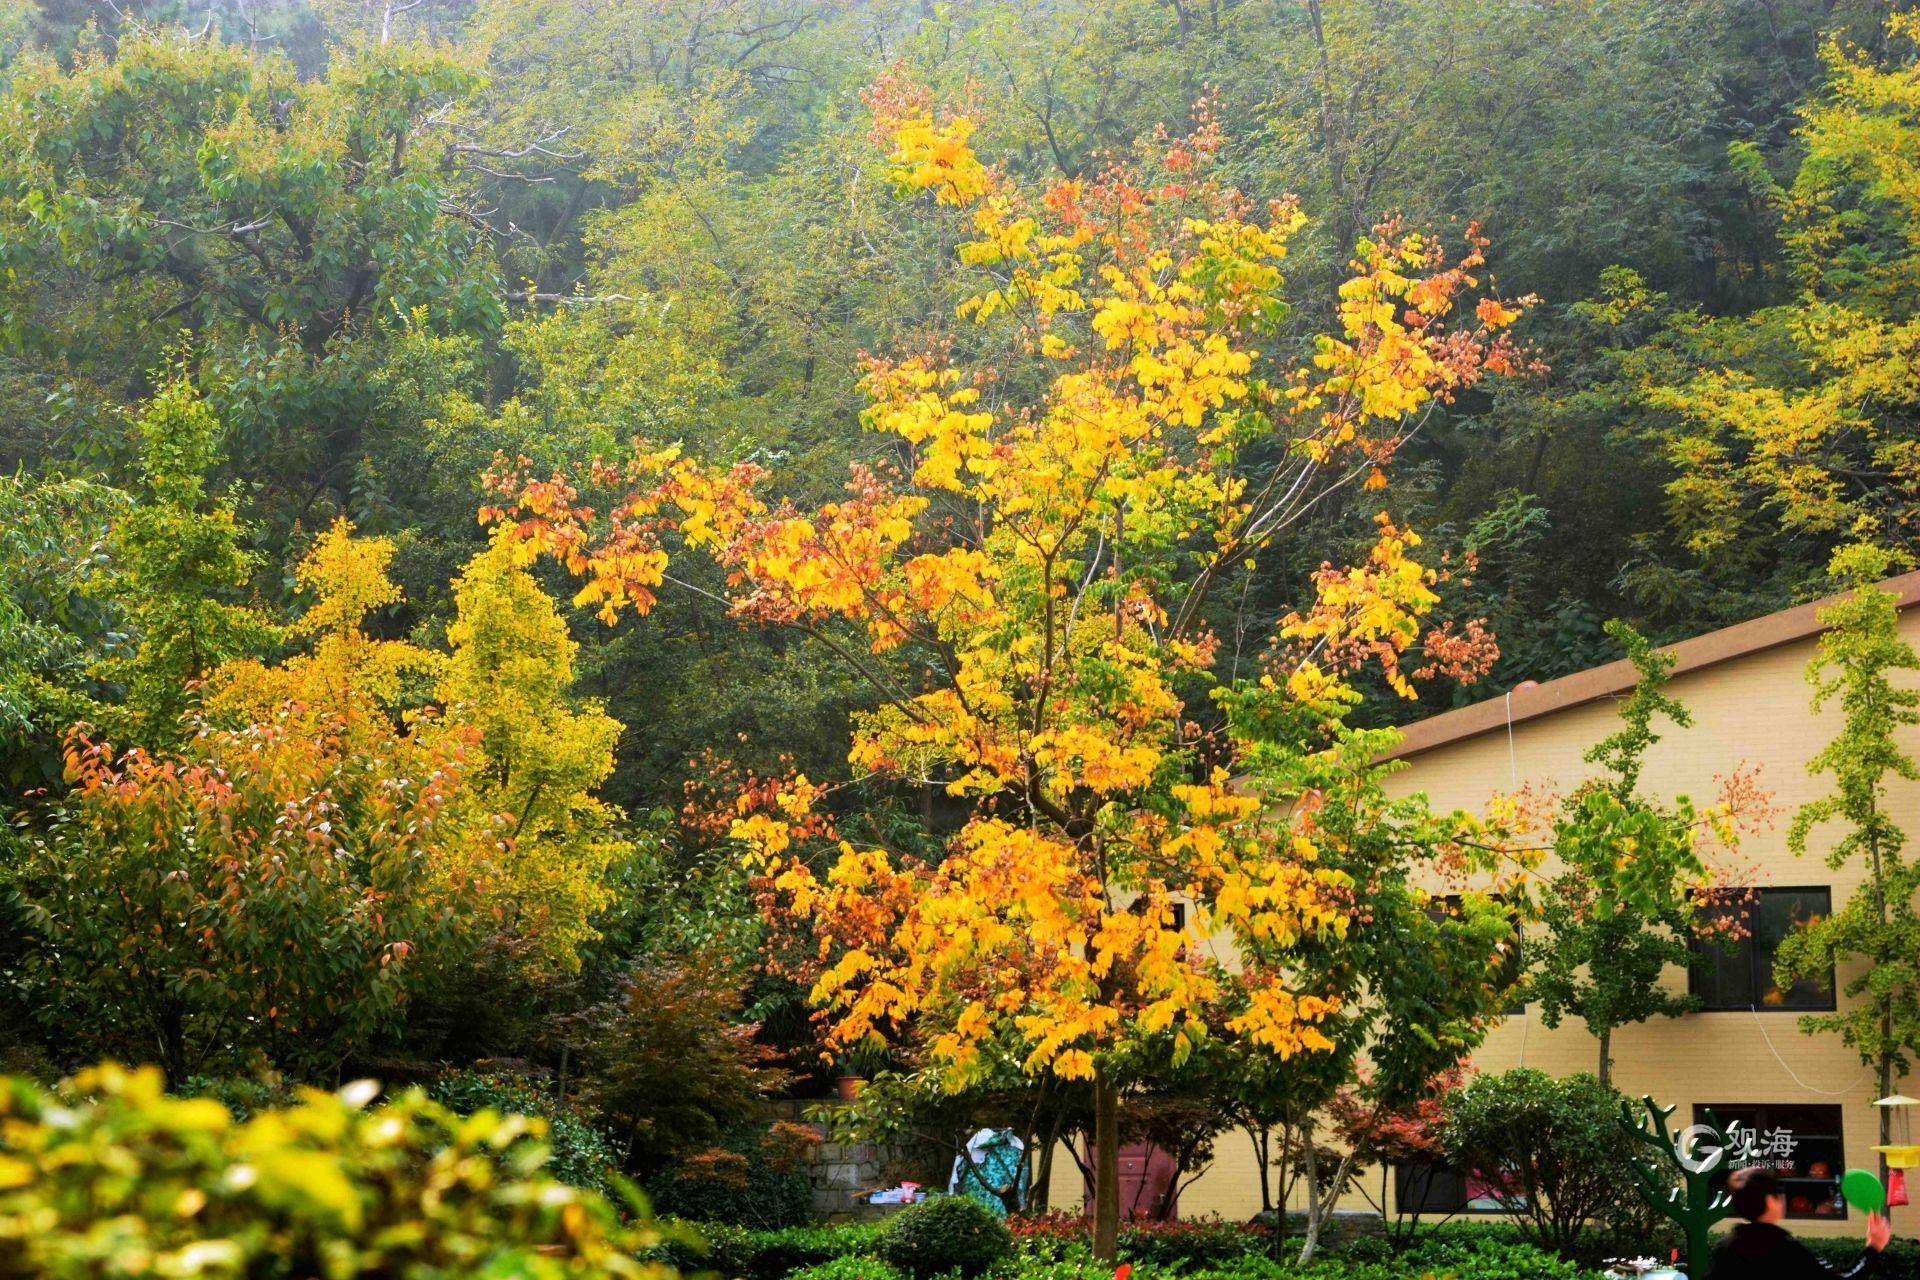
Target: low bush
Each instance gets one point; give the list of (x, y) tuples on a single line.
[(946, 1233), (1900, 1258), (1192, 1244), (1563, 1156), (1495, 1260), (854, 1267), (108, 1175), (1080, 1267), (752, 1180), (579, 1153), (241, 1095), (1467, 1257), (1055, 1247), (737, 1252), (1492, 1260)]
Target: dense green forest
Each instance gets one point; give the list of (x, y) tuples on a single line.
[(290, 290), (543, 227)]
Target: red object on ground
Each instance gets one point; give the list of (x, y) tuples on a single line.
[(1122, 1271), (1896, 1186)]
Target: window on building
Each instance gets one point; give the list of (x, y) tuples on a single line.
[(1801, 1144), (1737, 972), (1512, 965), (1429, 1187)]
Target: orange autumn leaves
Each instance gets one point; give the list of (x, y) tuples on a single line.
[(1024, 585)]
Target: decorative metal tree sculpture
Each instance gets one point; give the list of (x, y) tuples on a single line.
[(1695, 1204)]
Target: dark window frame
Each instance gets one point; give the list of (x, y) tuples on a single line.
[(1758, 980), (1404, 1171)]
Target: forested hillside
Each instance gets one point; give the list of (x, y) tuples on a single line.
[(293, 291)]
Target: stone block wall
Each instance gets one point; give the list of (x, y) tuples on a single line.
[(842, 1174)]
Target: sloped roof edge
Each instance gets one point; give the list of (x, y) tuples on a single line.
[(1613, 678)]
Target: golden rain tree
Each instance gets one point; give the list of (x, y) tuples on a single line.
[(1024, 580)]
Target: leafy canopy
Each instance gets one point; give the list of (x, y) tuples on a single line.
[(1026, 592)]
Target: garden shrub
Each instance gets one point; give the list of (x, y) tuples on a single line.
[(1552, 1150), (764, 1255), (1192, 1243), (108, 1175), (1078, 1267), (1055, 1247), (1467, 1257), (751, 1181), (1899, 1258), (1591, 1248), (945, 1233), (244, 1096), (855, 1266), (579, 1154), (1458, 1260)]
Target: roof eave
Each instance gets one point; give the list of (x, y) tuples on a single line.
[(1521, 705)]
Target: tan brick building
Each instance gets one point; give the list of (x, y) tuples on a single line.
[(1807, 1100)]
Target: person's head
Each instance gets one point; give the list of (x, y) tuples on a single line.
[(1756, 1194)]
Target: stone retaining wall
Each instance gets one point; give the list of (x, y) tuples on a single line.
[(842, 1174)]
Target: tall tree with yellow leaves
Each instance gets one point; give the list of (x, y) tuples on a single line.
[(1024, 582), (543, 753)]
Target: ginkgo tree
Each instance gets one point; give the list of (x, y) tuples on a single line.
[(536, 753), (1024, 578), (331, 835)]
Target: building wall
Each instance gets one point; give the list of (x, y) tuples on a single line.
[(1750, 711)]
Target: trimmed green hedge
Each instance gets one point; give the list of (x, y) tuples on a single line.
[(948, 1234), (1214, 1251), (742, 1254), (1463, 1256), (1056, 1249), (1190, 1243), (856, 1267), (1902, 1257)]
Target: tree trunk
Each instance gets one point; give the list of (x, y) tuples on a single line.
[(1886, 1012), (1606, 1057), (1040, 1197), (1260, 1139), (1106, 1168), (1310, 1171)]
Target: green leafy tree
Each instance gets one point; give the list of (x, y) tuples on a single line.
[(179, 189), (177, 569), (52, 536), (1417, 980), (543, 754), (1794, 422), (1625, 899), (1878, 928)]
